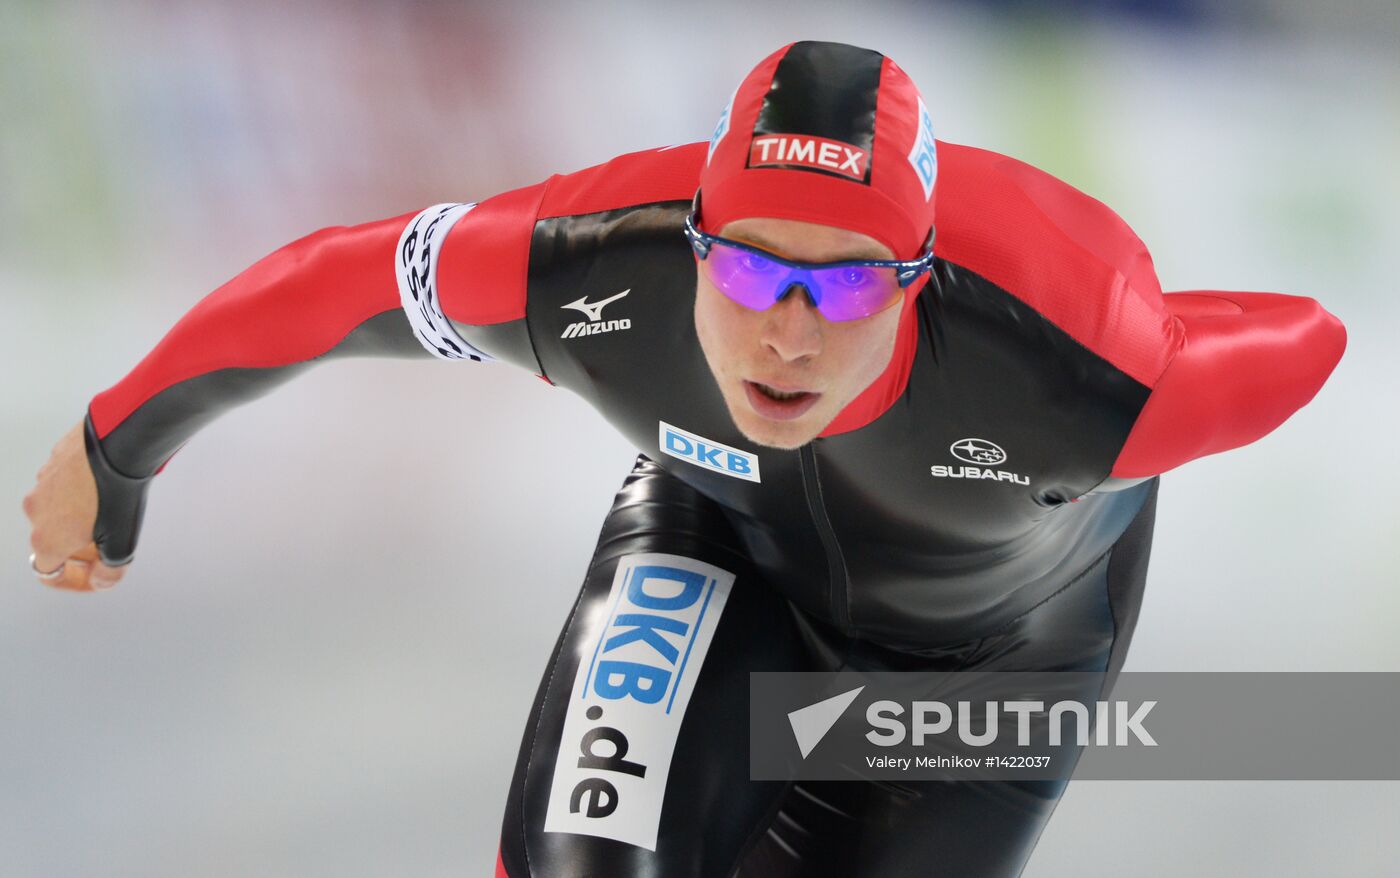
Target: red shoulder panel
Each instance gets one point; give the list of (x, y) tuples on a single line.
[(483, 269), (1063, 253), (1249, 361), (671, 173)]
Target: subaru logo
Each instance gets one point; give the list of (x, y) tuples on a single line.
[(978, 451)]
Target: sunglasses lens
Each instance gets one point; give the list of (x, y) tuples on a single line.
[(747, 278), (847, 292), (854, 291)]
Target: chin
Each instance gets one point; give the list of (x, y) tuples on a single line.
[(782, 435)]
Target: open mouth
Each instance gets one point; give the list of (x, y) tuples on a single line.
[(778, 394), (782, 405)]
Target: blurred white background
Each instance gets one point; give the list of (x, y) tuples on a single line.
[(323, 657)]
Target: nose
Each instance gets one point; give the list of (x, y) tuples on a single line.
[(793, 328)]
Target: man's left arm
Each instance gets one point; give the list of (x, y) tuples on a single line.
[(1248, 361)]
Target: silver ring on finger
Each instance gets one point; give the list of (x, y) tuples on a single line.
[(47, 577)]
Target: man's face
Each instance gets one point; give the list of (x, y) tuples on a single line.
[(791, 346)]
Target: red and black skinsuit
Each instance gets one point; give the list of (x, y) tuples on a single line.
[(986, 504)]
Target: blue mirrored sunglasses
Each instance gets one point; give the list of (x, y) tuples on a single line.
[(841, 291)]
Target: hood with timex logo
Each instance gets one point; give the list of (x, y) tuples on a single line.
[(825, 133)]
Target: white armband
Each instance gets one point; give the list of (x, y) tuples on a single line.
[(416, 268)]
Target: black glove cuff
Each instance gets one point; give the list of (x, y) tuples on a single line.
[(121, 503)]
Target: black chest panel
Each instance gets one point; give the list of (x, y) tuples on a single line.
[(939, 521)]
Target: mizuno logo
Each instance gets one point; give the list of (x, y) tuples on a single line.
[(574, 330), (594, 310)]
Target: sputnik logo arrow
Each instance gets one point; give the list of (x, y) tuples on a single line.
[(811, 723)]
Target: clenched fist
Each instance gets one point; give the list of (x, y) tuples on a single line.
[(62, 509)]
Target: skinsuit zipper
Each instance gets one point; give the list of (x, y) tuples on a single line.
[(835, 562)]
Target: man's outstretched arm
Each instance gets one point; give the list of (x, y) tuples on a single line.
[(343, 291), (1248, 361)]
